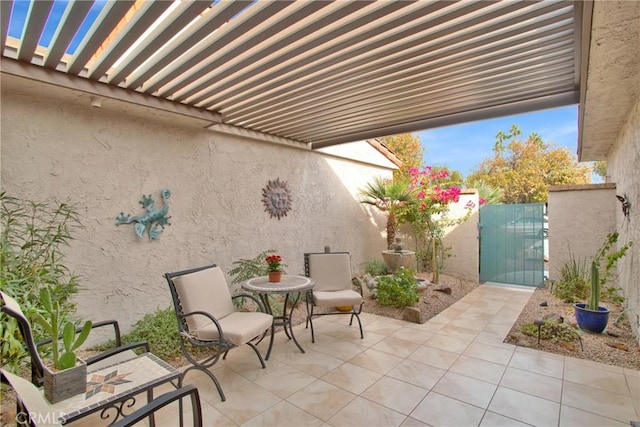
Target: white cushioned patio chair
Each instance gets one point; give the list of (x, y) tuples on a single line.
[(334, 287), (207, 318)]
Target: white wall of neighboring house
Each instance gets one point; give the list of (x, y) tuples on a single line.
[(102, 160)]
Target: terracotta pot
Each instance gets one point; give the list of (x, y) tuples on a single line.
[(275, 276)]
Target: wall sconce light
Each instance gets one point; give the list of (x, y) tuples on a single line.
[(96, 102)]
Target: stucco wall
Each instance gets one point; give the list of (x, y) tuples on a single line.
[(102, 160), (462, 239), (580, 217), (622, 168)]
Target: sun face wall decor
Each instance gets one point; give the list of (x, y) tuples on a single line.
[(276, 198)]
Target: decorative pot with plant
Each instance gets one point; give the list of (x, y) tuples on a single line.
[(274, 267), (68, 375), (591, 316)]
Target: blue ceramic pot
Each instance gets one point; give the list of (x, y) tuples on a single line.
[(590, 320)]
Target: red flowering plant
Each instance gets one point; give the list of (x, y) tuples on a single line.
[(427, 214), (274, 263)]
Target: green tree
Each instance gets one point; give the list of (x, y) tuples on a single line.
[(387, 195), (408, 149), (600, 168), (523, 170)]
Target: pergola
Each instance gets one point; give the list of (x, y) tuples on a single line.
[(321, 72)]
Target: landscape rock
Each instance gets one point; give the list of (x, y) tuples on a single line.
[(443, 289)]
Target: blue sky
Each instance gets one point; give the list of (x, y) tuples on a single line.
[(464, 146)]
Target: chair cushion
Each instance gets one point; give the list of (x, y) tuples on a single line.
[(336, 298), (331, 271), (239, 327), (204, 290)]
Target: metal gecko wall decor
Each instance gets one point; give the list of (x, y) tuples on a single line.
[(153, 221), (277, 198)]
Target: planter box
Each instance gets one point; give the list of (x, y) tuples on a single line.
[(61, 385)]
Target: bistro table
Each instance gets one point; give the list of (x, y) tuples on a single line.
[(113, 388), (293, 287)]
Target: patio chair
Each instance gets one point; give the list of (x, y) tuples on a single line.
[(334, 287), (207, 318), (119, 352), (29, 400)]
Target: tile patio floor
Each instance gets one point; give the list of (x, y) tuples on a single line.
[(453, 370)]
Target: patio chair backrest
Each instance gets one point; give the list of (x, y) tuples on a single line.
[(12, 308), (331, 271), (206, 290)]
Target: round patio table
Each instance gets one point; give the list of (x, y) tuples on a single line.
[(292, 287)]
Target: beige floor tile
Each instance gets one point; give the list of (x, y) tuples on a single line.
[(478, 369), (604, 403), (245, 403), (321, 399), (434, 357), (283, 380), (284, 414), (396, 347), (376, 361), (412, 422), (593, 375), (431, 326), (314, 363), (466, 389), (363, 412), (413, 335), (352, 377), (439, 410), (489, 353), (395, 394), (538, 362), (370, 338), (210, 417), (471, 321), (447, 343), (383, 327), (491, 419), (340, 349), (572, 362), (416, 373), (570, 417), (459, 332), (529, 382), (525, 407), (491, 338)]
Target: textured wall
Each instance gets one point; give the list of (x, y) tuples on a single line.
[(462, 239), (104, 159), (623, 170), (580, 217)]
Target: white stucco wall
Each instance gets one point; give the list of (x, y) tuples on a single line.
[(622, 168), (580, 217), (102, 160), (462, 239)]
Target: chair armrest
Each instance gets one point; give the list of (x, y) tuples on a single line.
[(162, 401), (221, 340), (253, 298), (112, 323), (117, 350)]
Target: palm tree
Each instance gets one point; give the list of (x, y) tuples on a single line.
[(386, 194)]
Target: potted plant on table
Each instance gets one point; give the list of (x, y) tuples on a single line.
[(68, 375), (591, 316), (274, 267)]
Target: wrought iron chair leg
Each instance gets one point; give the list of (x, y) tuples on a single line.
[(258, 353), (210, 374)]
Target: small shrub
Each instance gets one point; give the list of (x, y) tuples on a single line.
[(573, 284), (553, 331), (160, 330), (399, 290), (376, 268)]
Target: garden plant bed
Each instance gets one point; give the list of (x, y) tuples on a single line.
[(616, 346)]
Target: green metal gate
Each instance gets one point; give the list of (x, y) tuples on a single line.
[(513, 244)]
